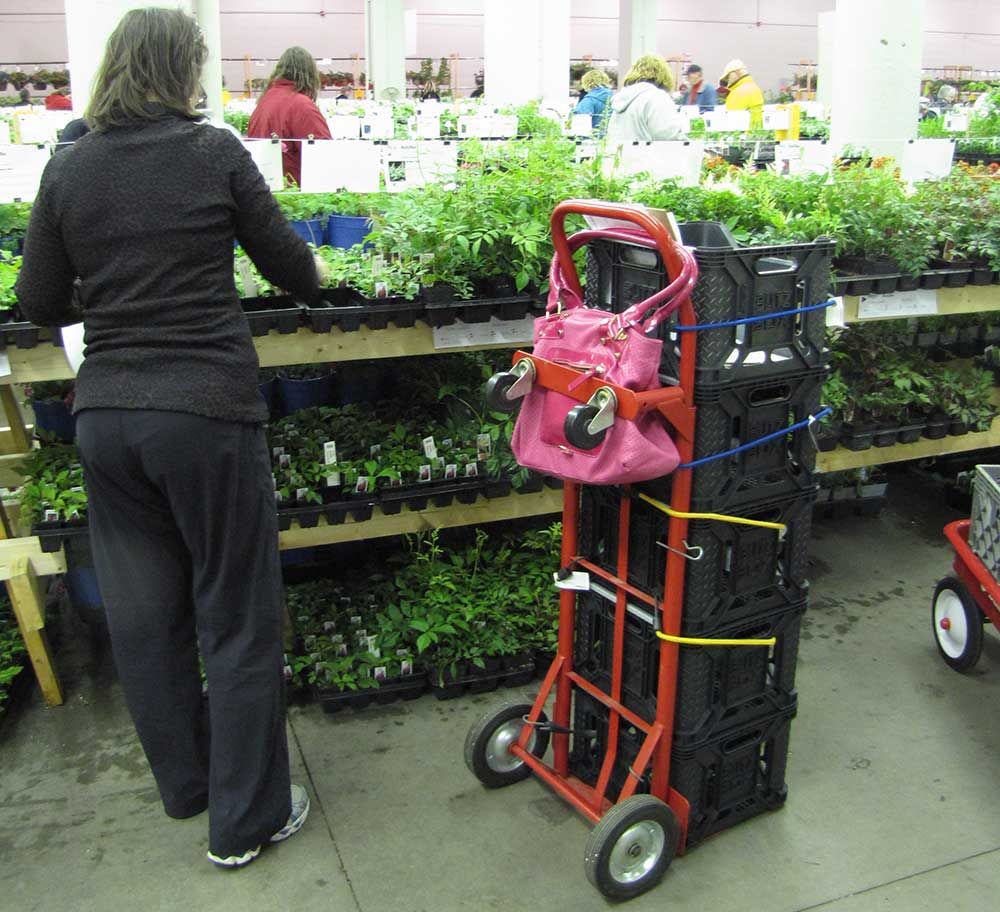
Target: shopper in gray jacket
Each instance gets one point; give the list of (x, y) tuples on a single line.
[(644, 111)]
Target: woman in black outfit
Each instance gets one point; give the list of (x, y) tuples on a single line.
[(144, 210)]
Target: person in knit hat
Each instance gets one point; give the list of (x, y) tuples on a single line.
[(595, 103), (643, 110), (744, 93)]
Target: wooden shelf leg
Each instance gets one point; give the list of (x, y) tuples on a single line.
[(29, 609), (18, 432)]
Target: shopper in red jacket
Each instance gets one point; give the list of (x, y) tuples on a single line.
[(287, 109), (58, 101)]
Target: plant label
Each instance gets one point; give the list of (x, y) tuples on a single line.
[(284, 461), (333, 480), (402, 654), (447, 444), (956, 122), (406, 667), (430, 448), (374, 450), (329, 626), (278, 451), (342, 649), (355, 619), (330, 452), (301, 494), (381, 290), (920, 303), (484, 446), (438, 462), (424, 473), (451, 471), (472, 470), (250, 289), (380, 673), (458, 335), (578, 581), (51, 516)]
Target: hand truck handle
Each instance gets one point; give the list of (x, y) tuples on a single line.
[(665, 244)]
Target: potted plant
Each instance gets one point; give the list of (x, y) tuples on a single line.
[(52, 404), (18, 80)]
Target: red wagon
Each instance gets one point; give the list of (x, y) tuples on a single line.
[(964, 602)]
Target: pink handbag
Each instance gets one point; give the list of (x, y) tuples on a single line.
[(606, 346)]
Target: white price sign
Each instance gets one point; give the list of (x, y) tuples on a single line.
[(727, 122), (920, 303), (581, 125), (329, 165), (956, 122), (344, 126), (266, 154), (21, 170), (777, 119), (661, 160), (496, 332)]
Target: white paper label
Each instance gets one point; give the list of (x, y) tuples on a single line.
[(835, 314), (497, 332), (329, 165), (578, 581), (430, 448), (777, 120), (20, 172), (920, 303), (330, 452), (266, 154), (956, 122)]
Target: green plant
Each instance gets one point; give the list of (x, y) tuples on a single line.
[(53, 483), (10, 266)]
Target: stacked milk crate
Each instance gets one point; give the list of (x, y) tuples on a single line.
[(734, 705)]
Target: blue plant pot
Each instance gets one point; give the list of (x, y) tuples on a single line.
[(81, 583), (312, 231), (347, 230), (269, 391), (298, 557), (55, 418), (300, 394)]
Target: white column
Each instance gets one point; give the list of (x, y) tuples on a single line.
[(636, 32), (876, 77), (526, 51), (826, 57), (207, 13), (385, 41), (88, 25)]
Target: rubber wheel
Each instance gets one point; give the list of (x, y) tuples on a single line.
[(631, 847), (486, 745), (496, 392), (575, 427), (958, 624)]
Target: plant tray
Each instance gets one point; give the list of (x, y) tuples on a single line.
[(441, 493), (52, 535), (378, 312), (335, 309), (405, 687), (19, 332), (280, 312), (475, 680)]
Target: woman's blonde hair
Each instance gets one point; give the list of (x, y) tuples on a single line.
[(154, 54), (594, 78), (651, 68), (298, 66)]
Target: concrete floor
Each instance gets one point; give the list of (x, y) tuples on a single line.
[(892, 784)]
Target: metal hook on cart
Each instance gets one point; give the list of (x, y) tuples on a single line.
[(689, 553), (607, 404)]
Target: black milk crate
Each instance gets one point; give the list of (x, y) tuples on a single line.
[(734, 283), (743, 572), (726, 780), (718, 687), (741, 413)]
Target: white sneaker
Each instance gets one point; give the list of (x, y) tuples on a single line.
[(300, 810)]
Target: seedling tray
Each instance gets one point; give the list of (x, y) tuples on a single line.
[(474, 680), (280, 312), (405, 687)]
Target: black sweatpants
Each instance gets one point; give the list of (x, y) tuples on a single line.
[(185, 542)]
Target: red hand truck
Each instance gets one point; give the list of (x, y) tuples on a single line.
[(636, 835)]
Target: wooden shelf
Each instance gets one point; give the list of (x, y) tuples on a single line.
[(514, 506), (951, 302), (841, 459), (47, 362)]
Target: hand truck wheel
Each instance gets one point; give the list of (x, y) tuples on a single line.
[(958, 624), (503, 390), (487, 746), (631, 847), (576, 427)]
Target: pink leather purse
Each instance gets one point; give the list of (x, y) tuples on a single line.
[(608, 347)]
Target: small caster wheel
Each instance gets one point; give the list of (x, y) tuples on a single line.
[(496, 392), (631, 847), (575, 427), (487, 746), (958, 624)]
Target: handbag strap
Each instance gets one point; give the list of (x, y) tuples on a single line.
[(663, 303)]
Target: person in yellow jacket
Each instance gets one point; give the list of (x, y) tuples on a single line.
[(744, 93)]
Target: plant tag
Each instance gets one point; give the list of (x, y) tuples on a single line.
[(277, 451), (329, 626), (330, 452), (288, 672), (378, 264), (333, 480), (578, 581), (381, 290), (484, 446), (77, 488), (246, 274), (51, 516), (406, 667), (430, 448), (472, 470), (301, 494), (835, 314), (451, 471), (402, 654), (336, 638), (425, 473), (438, 462), (447, 444), (380, 673), (374, 450), (284, 461), (355, 619), (342, 649), (956, 122), (362, 634)]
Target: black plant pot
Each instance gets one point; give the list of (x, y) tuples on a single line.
[(936, 427), (958, 428), (857, 437), (910, 433), (885, 435)]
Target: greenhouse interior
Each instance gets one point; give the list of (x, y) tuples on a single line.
[(602, 399)]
